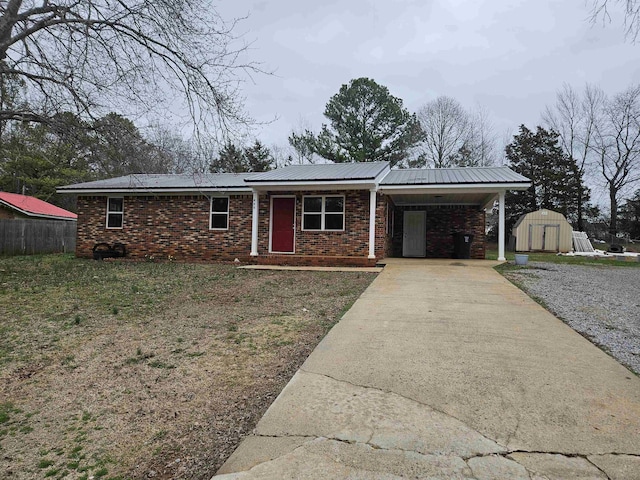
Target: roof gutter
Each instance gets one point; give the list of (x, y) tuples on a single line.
[(452, 188), (152, 191)]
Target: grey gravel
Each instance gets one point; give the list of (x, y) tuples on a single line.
[(601, 303)]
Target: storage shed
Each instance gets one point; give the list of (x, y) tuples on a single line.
[(542, 231)]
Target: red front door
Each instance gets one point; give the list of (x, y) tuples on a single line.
[(283, 224)]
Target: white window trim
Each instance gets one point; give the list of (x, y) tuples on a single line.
[(109, 212), (322, 213), (211, 213)]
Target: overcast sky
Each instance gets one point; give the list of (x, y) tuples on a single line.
[(509, 56)]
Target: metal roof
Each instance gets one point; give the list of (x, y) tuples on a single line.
[(137, 182), (331, 172), (445, 176), (325, 172), (34, 207)]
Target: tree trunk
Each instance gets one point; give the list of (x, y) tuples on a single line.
[(7, 22), (613, 224)]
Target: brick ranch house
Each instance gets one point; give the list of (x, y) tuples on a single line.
[(330, 214)]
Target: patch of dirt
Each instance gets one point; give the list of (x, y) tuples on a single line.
[(142, 370)]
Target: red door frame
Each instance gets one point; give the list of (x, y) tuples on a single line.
[(291, 207)]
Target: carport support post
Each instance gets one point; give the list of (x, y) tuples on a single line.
[(501, 227), (372, 222), (254, 224)]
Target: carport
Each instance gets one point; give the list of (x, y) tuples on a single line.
[(429, 207)]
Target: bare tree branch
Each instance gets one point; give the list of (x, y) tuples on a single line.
[(617, 146), (601, 11), (91, 57)]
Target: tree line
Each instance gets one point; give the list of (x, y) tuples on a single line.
[(585, 137)]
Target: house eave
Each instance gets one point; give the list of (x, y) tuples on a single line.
[(451, 188), (155, 191), (314, 185)]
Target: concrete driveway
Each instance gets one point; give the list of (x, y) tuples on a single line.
[(443, 369)]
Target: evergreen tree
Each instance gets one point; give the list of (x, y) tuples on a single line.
[(37, 158), (258, 158), (366, 124), (556, 182), (630, 216), (233, 159)]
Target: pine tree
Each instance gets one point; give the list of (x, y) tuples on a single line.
[(366, 124), (556, 182), (233, 159)]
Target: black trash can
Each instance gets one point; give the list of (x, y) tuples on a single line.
[(462, 245)]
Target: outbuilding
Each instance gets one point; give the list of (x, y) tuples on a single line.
[(542, 231)]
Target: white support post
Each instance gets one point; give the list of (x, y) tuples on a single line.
[(372, 222), (254, 224), (501, 233)]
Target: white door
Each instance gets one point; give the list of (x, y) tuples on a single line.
[(414, 234)]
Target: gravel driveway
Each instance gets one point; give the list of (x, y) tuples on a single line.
[(602, 303)]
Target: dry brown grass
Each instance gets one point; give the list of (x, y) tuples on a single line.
[(138, 370)]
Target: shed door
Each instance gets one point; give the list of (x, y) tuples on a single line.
[(283, 224), (551, 238), (414, 234), (536, 237)]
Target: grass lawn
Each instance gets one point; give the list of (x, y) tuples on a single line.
[(148, 370), (492, 254)]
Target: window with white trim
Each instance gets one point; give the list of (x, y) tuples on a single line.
[(115, 212), (219, 214), (323, 212)]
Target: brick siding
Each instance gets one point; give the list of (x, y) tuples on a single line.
[(442, 223), (160, 226), (178, 226), (347, 247)]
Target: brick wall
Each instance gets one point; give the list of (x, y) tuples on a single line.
[(348, 247), (160, 226), (167, 225), (442, 223)]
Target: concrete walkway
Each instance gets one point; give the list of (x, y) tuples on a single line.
[(443, 369)]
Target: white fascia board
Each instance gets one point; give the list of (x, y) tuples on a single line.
[(454, 188), (163, 192), (306, 186)]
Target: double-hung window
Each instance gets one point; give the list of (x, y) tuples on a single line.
[(219, 215), (323, 212), (115, 212)]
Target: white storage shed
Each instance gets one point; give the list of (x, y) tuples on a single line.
[(543, 231)]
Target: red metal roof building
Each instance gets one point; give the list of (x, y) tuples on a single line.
[(26, 206)]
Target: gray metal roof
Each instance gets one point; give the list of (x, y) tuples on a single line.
[(137, 182), (323, 172), (444, 176), (302, 173)]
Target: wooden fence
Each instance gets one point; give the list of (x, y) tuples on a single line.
[(28, 236)]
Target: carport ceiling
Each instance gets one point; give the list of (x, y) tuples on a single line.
[(458, 198)]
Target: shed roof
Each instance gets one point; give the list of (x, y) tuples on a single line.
[(178, 182), (325, 172), (539, 214), (34, 207), (461, 175)]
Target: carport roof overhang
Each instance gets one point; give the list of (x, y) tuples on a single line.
[(482, 195)]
